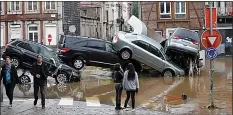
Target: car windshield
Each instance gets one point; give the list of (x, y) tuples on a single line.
[(163, 52)]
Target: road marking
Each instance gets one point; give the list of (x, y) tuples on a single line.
[(92, 101), (66, 101)]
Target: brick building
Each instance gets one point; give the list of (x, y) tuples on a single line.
[(32, 20), (164, 17)]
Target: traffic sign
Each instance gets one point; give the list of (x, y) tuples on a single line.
[(49, 38), (211, 52), (214, 17), (211, 41)]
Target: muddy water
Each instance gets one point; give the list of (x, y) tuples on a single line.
[(158, 93)]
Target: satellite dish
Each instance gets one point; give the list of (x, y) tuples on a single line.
[(72, 28)]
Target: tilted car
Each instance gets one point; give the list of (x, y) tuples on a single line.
[(91, 52), (181, 46), (147, 51), (24, 53)]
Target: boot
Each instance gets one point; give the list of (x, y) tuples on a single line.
[(118, 107)]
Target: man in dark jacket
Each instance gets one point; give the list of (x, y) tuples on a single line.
[(10, 78), (40, 73), (118, 78)]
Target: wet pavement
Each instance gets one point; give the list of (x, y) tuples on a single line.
[(156, 94)]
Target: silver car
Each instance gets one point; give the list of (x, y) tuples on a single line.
[(146, 51), (184, 40)]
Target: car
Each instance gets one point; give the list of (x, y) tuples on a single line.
[(181, 46), (24, 53), (91, 52), (146, 50)]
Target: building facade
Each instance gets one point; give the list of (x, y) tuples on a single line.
[(32, 20), (164, 17)]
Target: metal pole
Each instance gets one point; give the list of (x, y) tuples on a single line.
[(211, 65)]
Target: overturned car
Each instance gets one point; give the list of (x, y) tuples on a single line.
[(176, 55)]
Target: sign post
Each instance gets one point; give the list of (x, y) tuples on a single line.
[(211, 65), (49, 38)]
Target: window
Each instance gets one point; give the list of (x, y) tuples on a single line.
[(109, 48), (96, 45), (33, 33), (180, 11), (29, 47), (156, 52), (32, 5), (80, 44), (14, 6), (50, 5), (141, 44), (165, 10), (46, 53)]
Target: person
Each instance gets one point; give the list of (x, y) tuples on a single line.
[(118, 78), (40, 73), (10, 79), (130, 84)]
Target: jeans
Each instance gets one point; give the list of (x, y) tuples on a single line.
[(9, 91), (42, 92), (132, 95), (119, 89)]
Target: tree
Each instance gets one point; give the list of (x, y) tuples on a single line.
[(135, 9)]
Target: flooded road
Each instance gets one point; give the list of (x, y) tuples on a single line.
[(155, 93)]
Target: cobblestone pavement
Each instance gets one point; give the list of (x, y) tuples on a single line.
[(53, 107)]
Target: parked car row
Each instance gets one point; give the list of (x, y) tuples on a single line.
[(24, 53)]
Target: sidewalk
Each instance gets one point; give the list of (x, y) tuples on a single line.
[(25, 107)]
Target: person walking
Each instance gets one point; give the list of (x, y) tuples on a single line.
[(10, 79), (118, 78), (131, 85), (40, 73)]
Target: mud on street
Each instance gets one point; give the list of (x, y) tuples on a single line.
[(155, 93)]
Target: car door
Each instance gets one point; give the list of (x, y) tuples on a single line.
[(141, 52), (29, 52), (157, 58), (95, 52), (111, 55)]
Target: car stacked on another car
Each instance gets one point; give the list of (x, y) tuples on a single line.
[(181, 46), (79, 51), (24, 53), (147, 51)]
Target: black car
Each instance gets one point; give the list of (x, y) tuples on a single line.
[(78, 51), (24, 53)]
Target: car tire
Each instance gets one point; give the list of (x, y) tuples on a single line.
[(61, 77), (24, 79), (168, 73), (125, 54), (15, 61), (78, 63)]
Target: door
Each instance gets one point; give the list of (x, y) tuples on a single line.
[(95, 52), (157, 58), (29, 54), (112, 57), (51, 31)]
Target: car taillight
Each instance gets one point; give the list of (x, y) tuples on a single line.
[(117, 38), (175, 37), (6, 46), (65, 49)]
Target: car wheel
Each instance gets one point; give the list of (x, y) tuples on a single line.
[(24, 87), (62, 87), (15, 61), (126, 54), (78, 63), (168, 73), (62, 77), (24, 79)]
